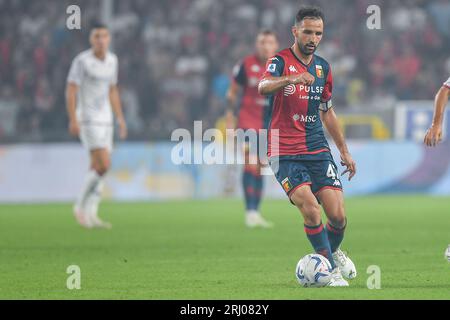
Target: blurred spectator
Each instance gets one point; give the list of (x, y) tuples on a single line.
[(440, 12), (176, 57), (8, 112)]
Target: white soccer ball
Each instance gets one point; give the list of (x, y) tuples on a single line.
[(313, 270), (447, 253)]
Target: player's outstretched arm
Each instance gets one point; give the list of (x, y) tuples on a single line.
[(71, 106), (331, 123), (270, 85), (434, 133), (116, 105)]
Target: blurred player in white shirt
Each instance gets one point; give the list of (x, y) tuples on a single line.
[(92, 98), (434, 134)]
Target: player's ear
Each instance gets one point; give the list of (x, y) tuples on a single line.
[(294, 30)]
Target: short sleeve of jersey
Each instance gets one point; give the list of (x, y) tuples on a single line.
[(325, 101), (75, 72), (447, 83), (274, 67), (239, 75)]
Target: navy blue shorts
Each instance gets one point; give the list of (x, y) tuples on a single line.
[(319, 174)]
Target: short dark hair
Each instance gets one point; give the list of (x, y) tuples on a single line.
[(98, 25), (309, 12)]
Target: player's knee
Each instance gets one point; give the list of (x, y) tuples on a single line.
[(100, 170), (106, 165), (337, 218), (102, 167), (313, 220)]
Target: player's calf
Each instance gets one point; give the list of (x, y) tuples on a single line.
[(304, 199), (101, 168), (90, 196), (252, 183), (333, 204)]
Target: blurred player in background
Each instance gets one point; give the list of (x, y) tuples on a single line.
[(434, 133), (300, 84), (92, 97), (246, 77)]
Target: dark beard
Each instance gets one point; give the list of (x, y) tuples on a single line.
[(305, 51)]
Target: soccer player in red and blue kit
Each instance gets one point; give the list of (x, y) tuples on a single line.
[(299, 84), (246, 76)]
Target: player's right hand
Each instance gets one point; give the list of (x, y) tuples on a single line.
[(433, 136), (305, 78), (74, 128)]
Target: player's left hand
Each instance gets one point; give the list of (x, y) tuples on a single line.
[(433, 136), (123, 131), (350, 164)]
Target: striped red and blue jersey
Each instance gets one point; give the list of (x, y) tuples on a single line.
[(247, 75), (294, 112)]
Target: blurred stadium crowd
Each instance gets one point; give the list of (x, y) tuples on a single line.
[(176, 57)]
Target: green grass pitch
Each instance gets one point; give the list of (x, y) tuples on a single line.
[(201, 250)]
